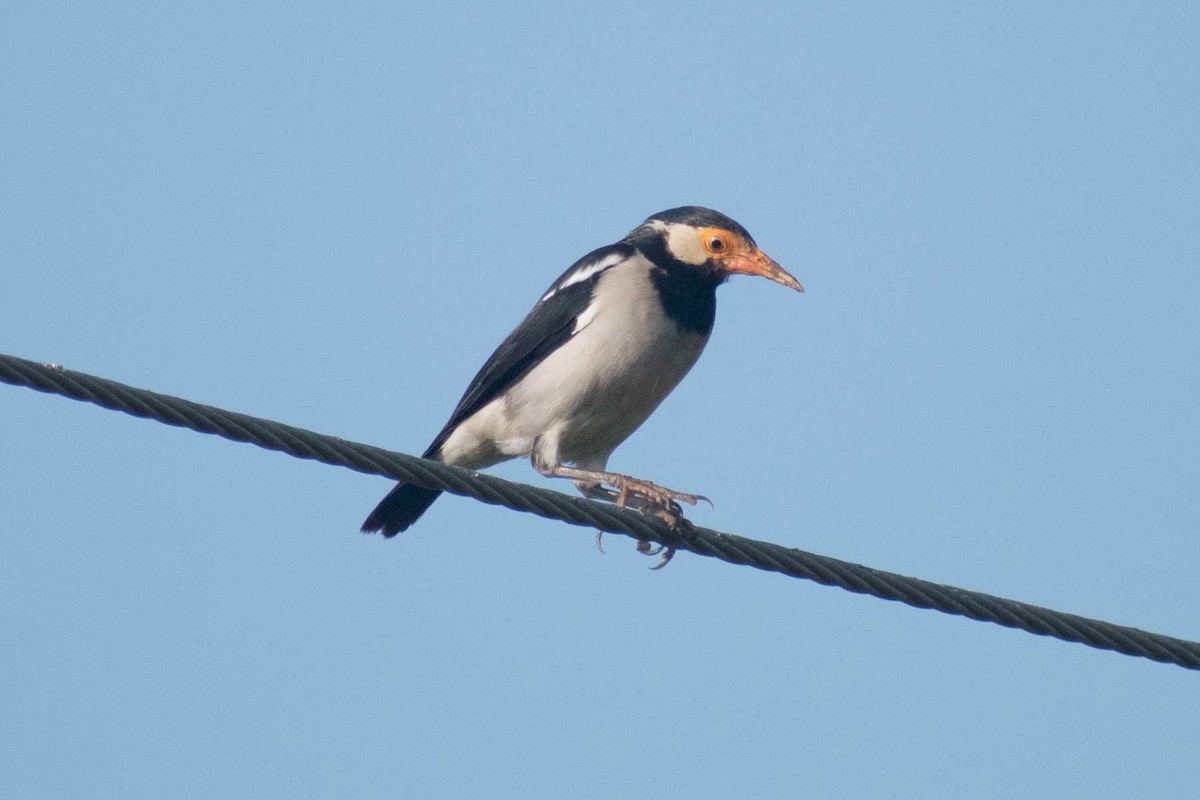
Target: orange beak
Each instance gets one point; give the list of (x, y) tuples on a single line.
[(756, 262)]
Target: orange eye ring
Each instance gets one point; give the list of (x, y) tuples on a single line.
[(718, 242)]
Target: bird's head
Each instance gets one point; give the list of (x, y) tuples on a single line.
[(706, 239)]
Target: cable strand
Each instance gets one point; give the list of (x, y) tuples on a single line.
[(731, 548)]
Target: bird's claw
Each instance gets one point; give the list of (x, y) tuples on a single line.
[(599, 543), (667, 555), (646, 549)]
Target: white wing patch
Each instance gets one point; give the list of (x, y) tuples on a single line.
[(583, 273), (585, 319)]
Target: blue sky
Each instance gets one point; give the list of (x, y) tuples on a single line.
[(330, 215)]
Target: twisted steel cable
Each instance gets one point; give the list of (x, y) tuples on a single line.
[(53, 379)]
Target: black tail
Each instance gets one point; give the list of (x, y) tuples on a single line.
[(401, 508)]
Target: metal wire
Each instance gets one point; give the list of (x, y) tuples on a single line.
[(728, 547)]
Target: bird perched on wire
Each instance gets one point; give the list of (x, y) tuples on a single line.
[(599, 351)]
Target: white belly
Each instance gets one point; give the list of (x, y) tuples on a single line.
[(586, 397)]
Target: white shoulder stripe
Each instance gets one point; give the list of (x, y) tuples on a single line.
[(585, 319), (585, 272)]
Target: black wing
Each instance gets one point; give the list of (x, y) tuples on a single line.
[(546, 328)]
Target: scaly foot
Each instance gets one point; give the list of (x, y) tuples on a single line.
[(649, 497)]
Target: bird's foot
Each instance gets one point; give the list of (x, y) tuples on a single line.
[(645, 548), (644, 496), (659, 501)]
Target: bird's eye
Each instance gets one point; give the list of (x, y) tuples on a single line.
[(716, 244)]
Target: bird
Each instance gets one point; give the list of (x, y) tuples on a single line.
[(601, 348)]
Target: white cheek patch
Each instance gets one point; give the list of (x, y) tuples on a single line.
[(684, 244), (585, 272)]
